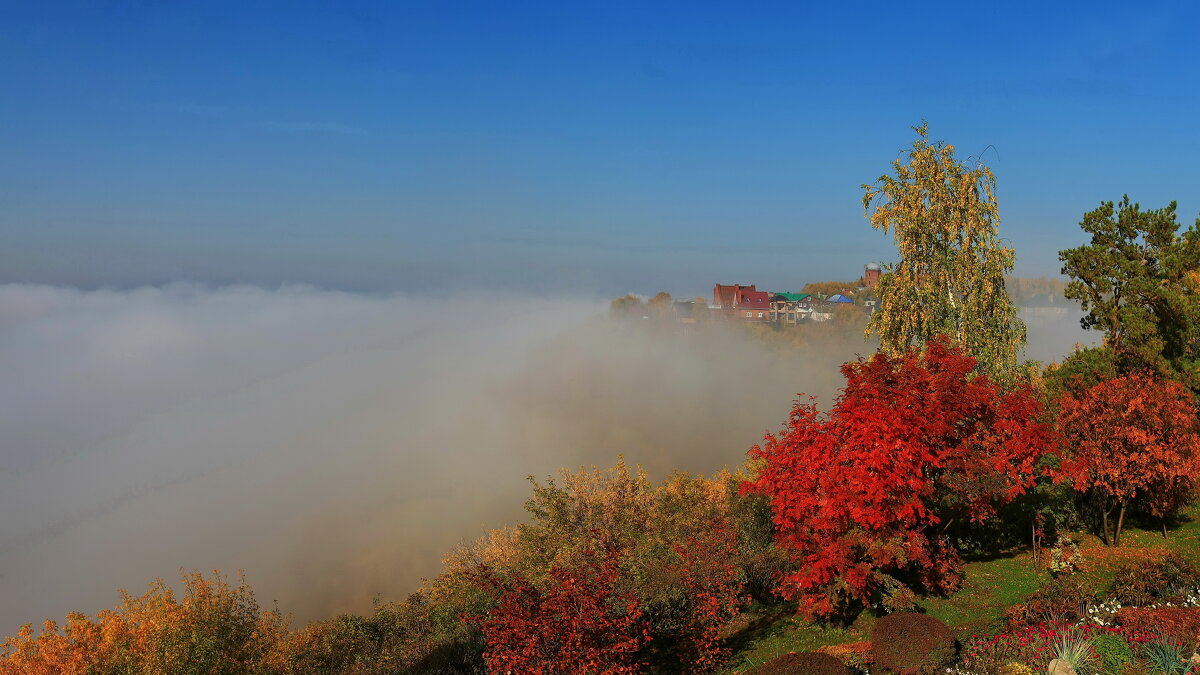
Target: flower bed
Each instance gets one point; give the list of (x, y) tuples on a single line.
[(1033, 646)]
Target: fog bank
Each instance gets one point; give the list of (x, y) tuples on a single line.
[(1054, 332), (334, 445)]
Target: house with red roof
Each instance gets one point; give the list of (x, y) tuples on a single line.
[(741, 303)]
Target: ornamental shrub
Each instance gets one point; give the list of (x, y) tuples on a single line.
[(803, 663), (1062, 599), (1015, 669), (1168, 580), (1113, 652), (912, 644), (1180, 625)]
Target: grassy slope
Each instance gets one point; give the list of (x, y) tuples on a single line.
[(991, 587)]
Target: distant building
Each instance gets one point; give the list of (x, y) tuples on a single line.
[(744, 303), (871, 274), (685, 311), (724, 296), (792, 308)]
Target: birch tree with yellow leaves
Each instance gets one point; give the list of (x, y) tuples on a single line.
[(949, 281)]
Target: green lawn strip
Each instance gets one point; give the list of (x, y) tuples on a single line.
[(790, 634), (990, 587)]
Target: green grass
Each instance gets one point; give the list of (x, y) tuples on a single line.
[(990, 587), (776, 631)]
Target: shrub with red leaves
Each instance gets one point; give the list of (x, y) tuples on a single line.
[(1178, 624), (580, 624), (914, 442)]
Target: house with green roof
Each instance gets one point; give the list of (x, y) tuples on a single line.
[(791, 308)]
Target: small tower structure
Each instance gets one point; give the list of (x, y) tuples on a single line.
[(871, 274)]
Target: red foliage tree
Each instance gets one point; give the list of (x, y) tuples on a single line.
[(1135, 436), (914, 442), (579, 624)]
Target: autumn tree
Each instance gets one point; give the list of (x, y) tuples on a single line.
[(1135, 436), (688, 549), (1137, 281), (212, 628), (580, 623), (627, 306), (865, 495), (824, 289), (945, 220)]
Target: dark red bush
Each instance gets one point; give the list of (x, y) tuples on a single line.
[(803, 663), (907, 643), (1180, 624)]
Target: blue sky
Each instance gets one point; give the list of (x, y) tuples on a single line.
[(606, 147)]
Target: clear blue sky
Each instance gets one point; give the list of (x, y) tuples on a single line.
[(607, 146)]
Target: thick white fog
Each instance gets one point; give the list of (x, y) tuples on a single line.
[(334, 445)]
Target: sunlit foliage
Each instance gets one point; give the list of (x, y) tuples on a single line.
[(945, 220), (1137, 281), (1132, 437), (214, 628), (862, 496), (687, 549)]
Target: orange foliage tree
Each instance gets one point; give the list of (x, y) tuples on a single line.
[(863, 497), (1130, 437), (214, 628)]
